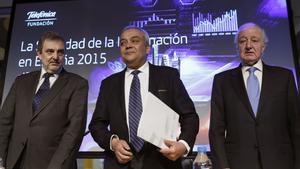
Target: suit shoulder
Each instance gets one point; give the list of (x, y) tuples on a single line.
[(165, 70), (277, 69), (27, 75), (227, 73), (76, 77), (113, 77)]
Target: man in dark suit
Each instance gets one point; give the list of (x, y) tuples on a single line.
[(43, 118), (254, 120), (113, 109)]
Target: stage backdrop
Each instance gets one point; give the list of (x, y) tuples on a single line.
[(193, 36)]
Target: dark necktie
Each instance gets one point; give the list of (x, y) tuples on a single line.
[(44, 88), (253, 89), (135, 111)]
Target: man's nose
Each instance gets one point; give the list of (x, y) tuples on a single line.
[(128, 46), (248, 45), (55, 55)]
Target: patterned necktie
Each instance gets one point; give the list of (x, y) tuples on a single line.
[(135, 111), (44, 88), (253, 89)]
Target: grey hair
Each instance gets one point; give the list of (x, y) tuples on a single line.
[(145, 33), (249, 25)]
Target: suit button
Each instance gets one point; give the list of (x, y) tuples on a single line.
[(256, 124), (256, 146)]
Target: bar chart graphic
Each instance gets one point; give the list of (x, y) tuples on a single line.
[(206, 25), (155, 20)]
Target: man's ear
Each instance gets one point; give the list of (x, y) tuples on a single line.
[(264, 47), (148, 48), (39, 54)]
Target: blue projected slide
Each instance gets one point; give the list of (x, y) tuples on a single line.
[(193, 36)]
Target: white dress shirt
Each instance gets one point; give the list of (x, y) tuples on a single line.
[(258, 73)]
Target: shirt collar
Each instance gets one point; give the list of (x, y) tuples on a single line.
[(43, 71), (258, 65), (143, 68)]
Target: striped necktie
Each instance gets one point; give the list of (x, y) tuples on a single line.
[(44, 88), (135, 111)]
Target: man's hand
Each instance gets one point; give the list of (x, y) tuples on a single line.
[(122, 150), (174, 151)]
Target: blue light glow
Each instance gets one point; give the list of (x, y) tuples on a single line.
[(148, 3), (274, 8), (187, 2)]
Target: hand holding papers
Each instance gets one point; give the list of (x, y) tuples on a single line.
[(158, 122)]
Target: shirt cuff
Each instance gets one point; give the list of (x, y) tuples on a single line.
[(186, 146), (111, 138)]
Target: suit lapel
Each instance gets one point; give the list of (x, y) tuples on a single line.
[(152, 80), (239, 87), (31, 88), (266, 82), (55, 90), (120, 93)]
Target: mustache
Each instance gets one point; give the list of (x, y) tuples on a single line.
[(54, 61)]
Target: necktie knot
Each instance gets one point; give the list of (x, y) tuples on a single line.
[(135, 72), (252, 70), (47, 75)]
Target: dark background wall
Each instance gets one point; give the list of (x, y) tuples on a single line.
[(296, 12)]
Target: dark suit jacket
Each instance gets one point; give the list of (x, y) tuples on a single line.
[(52, 135), (238, 139), (164, 83)]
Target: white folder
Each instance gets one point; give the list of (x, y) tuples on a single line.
[(158, 122)]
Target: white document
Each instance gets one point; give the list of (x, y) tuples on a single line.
[(158, 122)]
